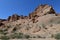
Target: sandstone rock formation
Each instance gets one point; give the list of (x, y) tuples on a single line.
[(43, 22), (42, 10), (14, 17)]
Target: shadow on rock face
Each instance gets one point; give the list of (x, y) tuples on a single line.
[(1, 24)]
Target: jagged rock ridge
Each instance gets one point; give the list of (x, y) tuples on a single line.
[(39, 11), (40, 22)]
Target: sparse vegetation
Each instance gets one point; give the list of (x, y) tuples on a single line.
[(34, 37), (57, 36), (51, 25), (17, 35), (14, 29), (51, 21), (44, 26), (4, 38), (52, 36), (40, 24), (9, 26), (58, 22), (39, 37), (27, 36), (3, 32)]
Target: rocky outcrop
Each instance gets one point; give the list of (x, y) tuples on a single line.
[(1, 20), (42, 10), (42, 23), (14, 17), (39, 11), (1, 24)]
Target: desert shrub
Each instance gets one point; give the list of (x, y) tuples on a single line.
[(8, 26), (57, 36), (52, 36), (44, 26), (3, 32), (27, 36), (5, 29), (17, 35), (39, 36), (51, 21), (4, 38), (34, 36), (14, 29), (51, 25)]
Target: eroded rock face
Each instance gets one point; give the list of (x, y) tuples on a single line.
[(14, 17), (1, 24), (42, 10), (39, 11), (1, 20), (40, 22)]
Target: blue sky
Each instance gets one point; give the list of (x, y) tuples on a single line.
[(24, 7)]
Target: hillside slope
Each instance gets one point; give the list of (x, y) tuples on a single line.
[(42, 23)]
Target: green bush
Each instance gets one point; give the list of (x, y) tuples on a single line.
[(17, 35), (3, 32), (4, 38), (57, 36)]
